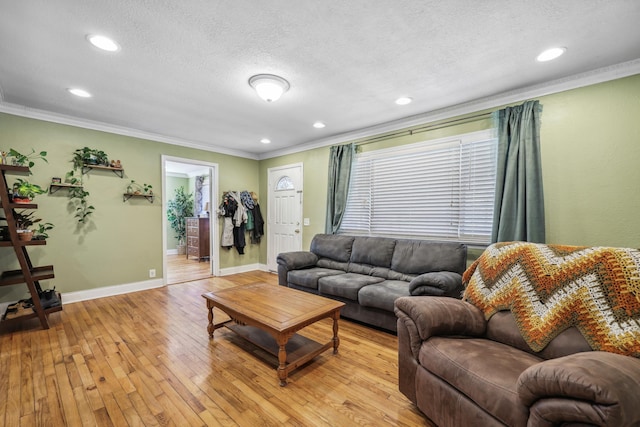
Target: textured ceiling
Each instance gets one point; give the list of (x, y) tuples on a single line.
[(182, 72)]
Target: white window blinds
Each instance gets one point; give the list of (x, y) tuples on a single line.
[(439, 190)]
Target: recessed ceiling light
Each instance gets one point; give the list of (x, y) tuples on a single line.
[(79, 92), (104, 43), (550, 54), (319, 125), (265, 140), (404, 100)]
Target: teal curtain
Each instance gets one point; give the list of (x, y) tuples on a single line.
[(519, 204), (340, 159)]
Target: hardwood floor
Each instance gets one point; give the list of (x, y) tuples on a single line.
[(180, 269), (145, 359)]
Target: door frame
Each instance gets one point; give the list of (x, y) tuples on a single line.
[(270, 200), (214, 259)]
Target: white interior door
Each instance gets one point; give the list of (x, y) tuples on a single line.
[(284, 217)]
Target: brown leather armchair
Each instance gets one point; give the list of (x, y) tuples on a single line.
[(462, 369)]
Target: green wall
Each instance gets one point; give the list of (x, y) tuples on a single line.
[(124, 239), (590, 146), (590, 143)]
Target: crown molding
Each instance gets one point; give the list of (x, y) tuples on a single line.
[(575, 81), (32, 113)]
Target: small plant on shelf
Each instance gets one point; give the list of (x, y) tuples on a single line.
[(24, 221), (136, 189), (24, 191), (89, 156), (41, 233), (20, 159)]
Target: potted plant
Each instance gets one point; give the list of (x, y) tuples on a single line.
[(178, 209), (24, 221), (24, 191), (89, 156), (20, 159), (41, 232)]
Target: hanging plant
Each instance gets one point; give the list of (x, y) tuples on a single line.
[(78, 198)]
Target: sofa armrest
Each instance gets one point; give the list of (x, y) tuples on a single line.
[(297, 260), (593, 387), (437, 283), (440, 316)]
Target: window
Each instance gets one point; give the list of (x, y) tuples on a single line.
[(436, 190)]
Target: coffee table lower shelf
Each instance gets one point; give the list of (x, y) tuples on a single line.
[(299, 349)]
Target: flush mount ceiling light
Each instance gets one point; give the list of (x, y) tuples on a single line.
[(104, 43), (404, 100), (79, 92), (269, 87), (265, 140), (319, 125), (550, 54)]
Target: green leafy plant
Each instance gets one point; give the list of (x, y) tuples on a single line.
[(178, 209), (27, 159), (40, 233), (24, 220), (147, 188), (89, 156), (23, 189), (79, 204)]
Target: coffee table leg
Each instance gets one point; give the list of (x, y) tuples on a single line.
[(282, 360), (336, 339), (210, 327)]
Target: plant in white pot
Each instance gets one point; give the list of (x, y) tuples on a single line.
[(178, 209)]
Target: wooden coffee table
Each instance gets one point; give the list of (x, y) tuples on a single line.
[(270, 315)]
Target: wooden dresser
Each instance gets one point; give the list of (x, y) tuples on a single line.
[(198, 238)]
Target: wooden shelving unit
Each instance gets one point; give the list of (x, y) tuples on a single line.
[(127, 196), (27, 273), (53, 187)]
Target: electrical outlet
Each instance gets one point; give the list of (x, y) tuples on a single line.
[(152, 272)]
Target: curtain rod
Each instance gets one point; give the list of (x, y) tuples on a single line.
[(425, 128)]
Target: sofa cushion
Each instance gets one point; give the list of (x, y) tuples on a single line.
[(417, 257), (308, 277), (345, 285), (333, 265), (382, 295), (439, 283), (336, 247), (368, 270), (375, 251), (471, 365)]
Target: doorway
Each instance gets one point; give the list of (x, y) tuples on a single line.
[(284, 215), (196, 259)]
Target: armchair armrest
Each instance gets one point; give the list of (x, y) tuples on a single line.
[(437, 283), (297, 260), (602, 389), (427, 316)]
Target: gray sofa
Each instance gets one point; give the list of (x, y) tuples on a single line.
[(369, 273)]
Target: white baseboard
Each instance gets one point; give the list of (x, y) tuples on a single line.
[(172, 252), (242, 269), (107, 291)]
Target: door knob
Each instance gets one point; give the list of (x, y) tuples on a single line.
[(297, 230)]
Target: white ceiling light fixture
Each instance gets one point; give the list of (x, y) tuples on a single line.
[(269, 87), (550, 54), (79, 92), (319, 125), (404, 100), (103, 42), (265, 140)]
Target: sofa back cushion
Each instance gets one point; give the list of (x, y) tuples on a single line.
[(418, 257), (333, 246), (374, 251)]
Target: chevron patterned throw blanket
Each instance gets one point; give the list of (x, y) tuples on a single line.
[(549, 288)]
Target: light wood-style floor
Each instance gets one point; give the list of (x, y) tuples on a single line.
[(145, 359), (180, 269)]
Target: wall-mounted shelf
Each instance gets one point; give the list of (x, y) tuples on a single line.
[(53, 187), (127, 196), (87, 168)]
